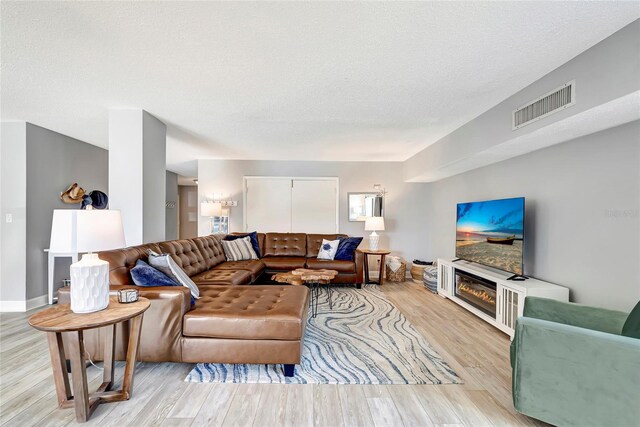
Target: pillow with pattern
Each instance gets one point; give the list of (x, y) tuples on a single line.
[(254, 240), (328, 249), (168, 266), (239, 249)]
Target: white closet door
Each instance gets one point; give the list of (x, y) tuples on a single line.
[(268, 205), (313, 206)]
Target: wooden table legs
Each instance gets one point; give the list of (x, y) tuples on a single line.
[(84, 402), (380, 280), (59, 366)]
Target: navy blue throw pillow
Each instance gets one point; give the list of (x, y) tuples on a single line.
[(145, 275), (253, 237), (347, 248)]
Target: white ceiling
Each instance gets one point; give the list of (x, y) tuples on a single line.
[(287, 81)]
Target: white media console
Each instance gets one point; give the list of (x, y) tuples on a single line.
[(488, 294)]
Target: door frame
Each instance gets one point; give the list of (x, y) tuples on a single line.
[(245, 178)]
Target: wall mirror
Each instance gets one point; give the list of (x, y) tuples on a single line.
[(363, 205)]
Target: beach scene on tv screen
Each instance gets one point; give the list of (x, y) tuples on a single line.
[(491, 233)]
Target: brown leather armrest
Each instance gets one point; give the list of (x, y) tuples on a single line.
[(359, 258), (152, 293), (161, 326)]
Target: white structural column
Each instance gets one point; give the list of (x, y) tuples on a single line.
[(137, 174), (13, 225)]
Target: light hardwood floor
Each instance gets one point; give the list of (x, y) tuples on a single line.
[(478, 352)]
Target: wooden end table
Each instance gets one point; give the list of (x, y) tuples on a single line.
[(60, 319), (312, 278), (382, 253)]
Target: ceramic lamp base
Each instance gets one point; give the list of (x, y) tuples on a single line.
[(374, 241), (89, 284)]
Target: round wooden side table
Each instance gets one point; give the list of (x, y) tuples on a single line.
[(382, 253), (60, 319)]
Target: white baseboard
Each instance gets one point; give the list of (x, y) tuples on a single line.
[(36, 302), (13, 306), (22, 306)]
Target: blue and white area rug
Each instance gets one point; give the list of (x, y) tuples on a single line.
[(364, 340)]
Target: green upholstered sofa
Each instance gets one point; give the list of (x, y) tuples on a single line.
[(572, 367)]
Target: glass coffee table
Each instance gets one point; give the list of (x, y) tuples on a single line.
[(312, 278)]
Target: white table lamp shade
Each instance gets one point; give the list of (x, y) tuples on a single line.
[(210, 209), (63, 231), (75, 230), (374, 223), (99, 230)]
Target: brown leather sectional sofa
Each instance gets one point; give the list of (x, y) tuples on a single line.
[(288, 251), (234, 320)]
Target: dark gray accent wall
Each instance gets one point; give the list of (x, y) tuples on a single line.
[(54, 161), (582, 216), (171, 213)]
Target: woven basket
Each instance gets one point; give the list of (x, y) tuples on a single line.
[(398, 275), (416, 272)]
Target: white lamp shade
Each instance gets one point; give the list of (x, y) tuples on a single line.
[(93, 230), (210, 209), (63, 231), (374, 223), (99, 230)]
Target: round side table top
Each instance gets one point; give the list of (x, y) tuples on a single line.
[(376, 251), (60, 318)]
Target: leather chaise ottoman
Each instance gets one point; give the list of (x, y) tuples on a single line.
[(258, 324)]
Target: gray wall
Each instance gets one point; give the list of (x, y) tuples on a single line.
[(154, 152), (582, 218), (404, 203), (604, 72), (54, 161), (171, 214), (13, 198)]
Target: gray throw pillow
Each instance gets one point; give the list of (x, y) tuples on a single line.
[(239, 249), (168, 266)]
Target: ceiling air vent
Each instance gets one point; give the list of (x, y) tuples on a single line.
[(549, 103)]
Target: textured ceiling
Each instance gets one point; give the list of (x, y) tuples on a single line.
[(288, 81)]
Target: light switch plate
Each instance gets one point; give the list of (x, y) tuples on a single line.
[(9, 218)]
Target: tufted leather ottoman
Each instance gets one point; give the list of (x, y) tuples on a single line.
[(248, 312), (247, 324)]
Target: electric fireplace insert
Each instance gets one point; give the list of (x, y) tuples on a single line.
[(477, 291)]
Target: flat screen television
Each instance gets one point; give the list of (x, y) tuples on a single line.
[(492, 233)]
